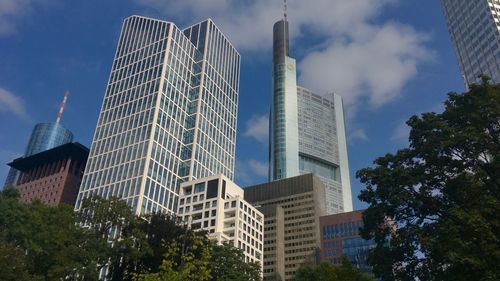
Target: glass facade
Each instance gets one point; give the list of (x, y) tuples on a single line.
[(307, 132), (168, 115), (44, 136), (283, 122), (474, 26), (320, 147), (340, 236)]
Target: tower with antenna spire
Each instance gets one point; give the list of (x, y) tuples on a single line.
[(306, 135), (44, 136)]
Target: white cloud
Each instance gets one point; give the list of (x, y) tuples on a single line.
[(251, 171), (375, 62), (357, 58), (401, 132), (12, 10), (10, 103), (259, 168), (257, 127), (358, 134)]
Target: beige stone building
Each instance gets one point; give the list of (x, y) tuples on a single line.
[(216, 204), (291, 209)]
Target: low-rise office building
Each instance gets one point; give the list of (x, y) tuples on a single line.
[(291, 209), (52, 176), (217, 205)]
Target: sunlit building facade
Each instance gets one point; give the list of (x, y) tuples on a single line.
[(307, 130), (292, 208), (474, 26), (217, 205), (168, 115)]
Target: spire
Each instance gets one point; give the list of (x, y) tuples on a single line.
[(61, 108), (284, 10)]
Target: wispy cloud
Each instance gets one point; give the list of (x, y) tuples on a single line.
[(257, 127), (360, 56), (251, 171), (258, 168), (10, 103), (11, 11), (358, 134), (401, 132)]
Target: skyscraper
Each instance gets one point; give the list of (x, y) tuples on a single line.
[(168, 115), (44, 136), (307, 131), (474, 26)]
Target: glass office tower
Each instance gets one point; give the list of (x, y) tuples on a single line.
[(44, 136), (474, 26), (168, 115), (307, 131)]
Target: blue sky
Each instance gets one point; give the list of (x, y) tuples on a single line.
[(389, 59)]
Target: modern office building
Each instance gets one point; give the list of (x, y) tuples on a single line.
[(217, 205), (291, 209), (340, 236), (52, 176), (168, 115), (43, 137), (307, 131), (474, 26)]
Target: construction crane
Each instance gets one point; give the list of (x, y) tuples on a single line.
[(61, 108)]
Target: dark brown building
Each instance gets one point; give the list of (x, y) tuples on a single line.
[(340, 236), (52, 176)]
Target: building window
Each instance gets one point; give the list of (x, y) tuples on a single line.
[(199, 187)]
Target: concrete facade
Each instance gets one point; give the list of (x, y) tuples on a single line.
[(217, 205), (291, 209)]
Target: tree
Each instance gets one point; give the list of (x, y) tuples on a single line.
[(228, 264), (46, 243), (330, 272), (185, 259), (161, 230), (441, 194), (112, 222), (13, 263)]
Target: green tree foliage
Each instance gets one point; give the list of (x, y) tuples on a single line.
[(228, 264), (329, 272), (161, 230), (45, 242), (186, 259), (441, 193), (112, 222), (38, 242)]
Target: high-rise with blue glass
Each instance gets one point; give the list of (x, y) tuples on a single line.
[(307, 131), (474, 27), (44, 136), (168, 115)]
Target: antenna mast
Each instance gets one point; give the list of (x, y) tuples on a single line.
[(284, 10), (61, 108)]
